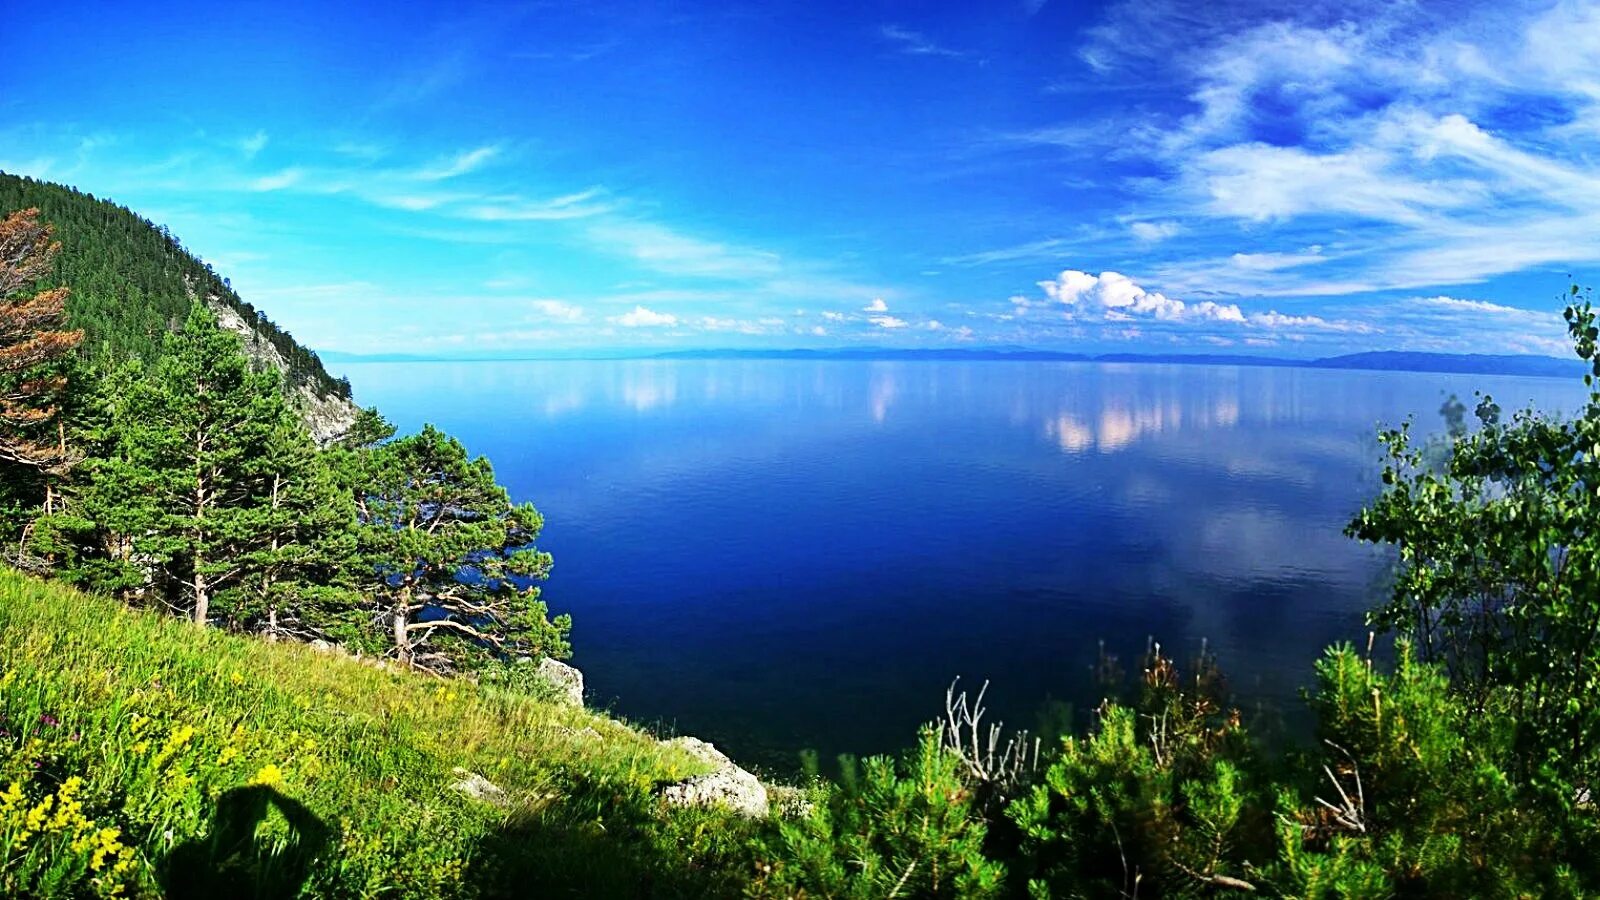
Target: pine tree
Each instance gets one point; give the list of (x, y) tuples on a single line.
[(296, 551), (453, 562), (206, 493), (33, 345)]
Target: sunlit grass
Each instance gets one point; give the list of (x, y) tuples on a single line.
[(153, 733)]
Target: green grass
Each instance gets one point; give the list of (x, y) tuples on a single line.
[(143, 756)]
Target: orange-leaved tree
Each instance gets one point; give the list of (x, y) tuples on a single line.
[(33, 342)]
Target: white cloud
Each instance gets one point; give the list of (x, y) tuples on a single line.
[(669, 252), (1261, 182), (277, 182), (933, 325), (640, 317), (833, 316), (1114, 296), (460, 164), (1152, 232), (876, 306), (819, 331), (1483, 306), (1276, 320), (253, 144), (578, 205), (1273, 262), (1441, 149), (913, 43), (561, 311), (887, 322)]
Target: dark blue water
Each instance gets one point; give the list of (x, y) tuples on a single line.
[(776, 555)]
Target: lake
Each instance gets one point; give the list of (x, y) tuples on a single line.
[(775, 555)]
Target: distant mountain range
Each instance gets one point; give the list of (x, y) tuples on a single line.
[(1380, 360)]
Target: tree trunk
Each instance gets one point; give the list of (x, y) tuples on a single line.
[(402, 643), (202, 593)]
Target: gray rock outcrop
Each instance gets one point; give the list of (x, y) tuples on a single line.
[(327, 417), (479, 788), (727, 785), (565, 678)]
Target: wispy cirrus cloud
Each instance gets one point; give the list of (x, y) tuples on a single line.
[(915, 43), (277, 181), (460, 164), (1383, 131), (672, 252)]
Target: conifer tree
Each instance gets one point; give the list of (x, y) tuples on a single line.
[(206, 493), (453, 562), (33, 344)]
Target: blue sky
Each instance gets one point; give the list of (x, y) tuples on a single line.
[(1290, 179)]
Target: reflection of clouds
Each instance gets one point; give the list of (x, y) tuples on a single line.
[(647, 387), (560, 404), (1071, 434), (882, 392), (1243, 543), (1124, 417)]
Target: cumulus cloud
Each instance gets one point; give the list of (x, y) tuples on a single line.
[(641, 317), (876, 306), (887, 322), (833, 316), (1113, 296)]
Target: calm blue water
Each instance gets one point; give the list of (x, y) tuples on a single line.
[(776, 555)]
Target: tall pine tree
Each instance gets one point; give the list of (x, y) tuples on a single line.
[(453, 565), (206, 493)]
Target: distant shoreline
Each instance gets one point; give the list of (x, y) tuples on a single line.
[(1374, 361)]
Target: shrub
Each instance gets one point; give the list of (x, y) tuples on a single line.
[(1158, 798), (906, 829)]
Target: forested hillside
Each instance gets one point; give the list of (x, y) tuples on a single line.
[(132, 282)]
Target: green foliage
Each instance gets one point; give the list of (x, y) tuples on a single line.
[(204, 492), (452, 562), (887, 830), (1419, 795), (1156, 800), (132, 281), (1499, 573)]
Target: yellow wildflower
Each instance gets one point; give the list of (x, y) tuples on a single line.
[(269, 775)]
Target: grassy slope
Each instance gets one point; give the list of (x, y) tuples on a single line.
[(90, 689)]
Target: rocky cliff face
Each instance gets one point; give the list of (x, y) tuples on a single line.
[(326, 416)]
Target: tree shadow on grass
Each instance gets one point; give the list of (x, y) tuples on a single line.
[(603, 844), (240, 859)]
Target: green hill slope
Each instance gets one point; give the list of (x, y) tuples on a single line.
[(124, 735), (132, 281)]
